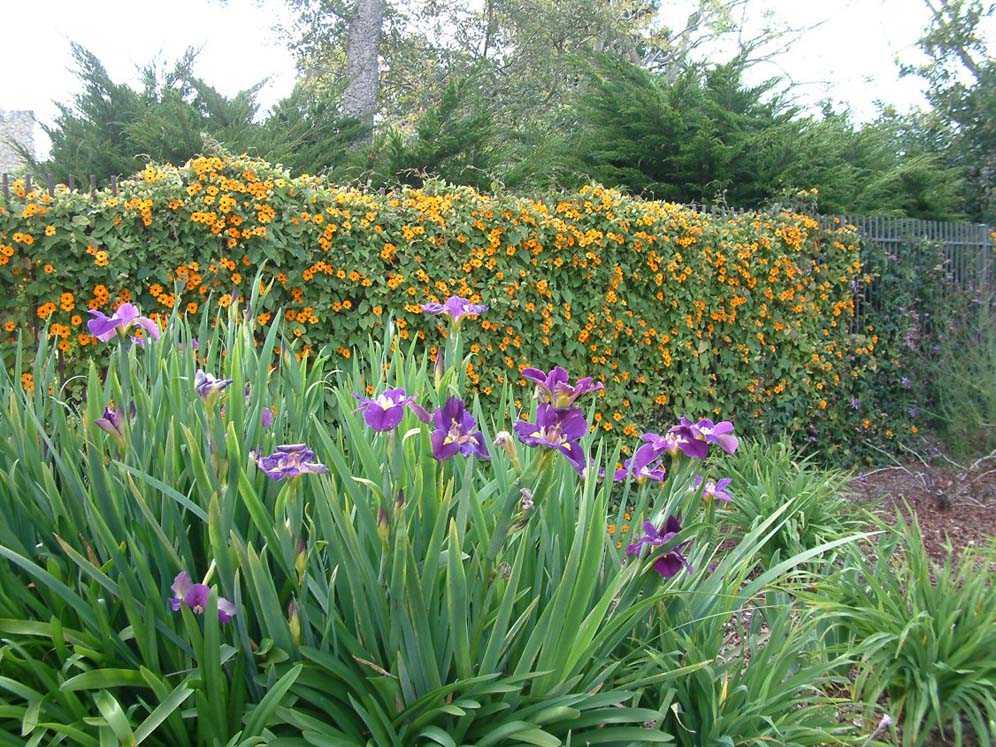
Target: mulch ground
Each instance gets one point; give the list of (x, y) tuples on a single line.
[(954, 505)]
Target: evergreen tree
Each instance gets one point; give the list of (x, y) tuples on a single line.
[(456, 141), (112, 129), (698, 138)]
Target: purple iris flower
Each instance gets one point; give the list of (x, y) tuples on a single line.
[(683, 438), (714, 489), (112, 422), (290, 460), (556, 429), (195, 596), (455, 308), (720, 434), (693, 439), (642, 467), (384, 412), (554, 387), (455, 434), (672, 560), (105, 327), (208, 387)]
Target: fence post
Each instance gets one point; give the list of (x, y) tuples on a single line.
[(986, 270)]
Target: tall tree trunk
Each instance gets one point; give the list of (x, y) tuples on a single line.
[(359, 100)]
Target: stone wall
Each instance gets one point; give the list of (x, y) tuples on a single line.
[(18, 126)]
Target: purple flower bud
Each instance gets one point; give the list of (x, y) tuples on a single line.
[(208, 387), (266, 417), (112, 422)]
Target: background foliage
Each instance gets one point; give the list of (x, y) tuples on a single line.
[(545, 96)]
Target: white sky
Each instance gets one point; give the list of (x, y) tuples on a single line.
[(849, 57)]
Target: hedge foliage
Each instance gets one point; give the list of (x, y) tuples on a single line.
[(683, 312)]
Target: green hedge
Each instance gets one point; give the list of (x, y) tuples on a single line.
[(682, 312)]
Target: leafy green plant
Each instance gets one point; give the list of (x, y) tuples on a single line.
[(923, 634), (761, 674), (681, 311), (770, 478), (158, 587)]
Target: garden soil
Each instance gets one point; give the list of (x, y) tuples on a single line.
[(955, 506)]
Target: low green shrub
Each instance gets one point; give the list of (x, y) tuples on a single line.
[(771, 478), (923, 633)]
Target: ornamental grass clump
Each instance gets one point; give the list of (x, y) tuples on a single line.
[(922, 633), (770, 478), (363, 567)]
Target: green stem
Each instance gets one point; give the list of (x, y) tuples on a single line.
[(534, 474)]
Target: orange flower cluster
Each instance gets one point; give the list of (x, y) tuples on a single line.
[(676, 311)]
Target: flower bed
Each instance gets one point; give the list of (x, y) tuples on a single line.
[(214, 550)]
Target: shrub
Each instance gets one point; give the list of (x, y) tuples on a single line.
[(770, 479), (680, 311), (923, 634)]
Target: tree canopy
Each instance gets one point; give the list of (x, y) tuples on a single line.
[(545, 94)]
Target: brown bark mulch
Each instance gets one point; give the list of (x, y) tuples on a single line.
[(955, 505)]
